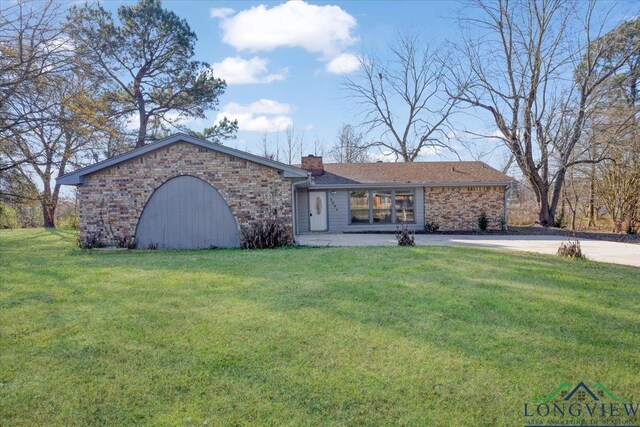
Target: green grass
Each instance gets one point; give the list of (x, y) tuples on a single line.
[(314, 336)]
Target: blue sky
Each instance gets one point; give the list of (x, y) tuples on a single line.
[(284, 62)]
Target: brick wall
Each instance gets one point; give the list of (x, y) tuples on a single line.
[(112, 200), (313, 164), (458, 208)]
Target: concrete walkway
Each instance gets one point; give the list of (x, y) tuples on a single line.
[(596, 250)]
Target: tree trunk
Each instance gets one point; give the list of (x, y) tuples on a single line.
[(142, 131), (542, 199), (142, 112), (48, 207), (544, 215), (574, 214), (47, 202), (592, 197), (49, 199), (48, 214), (558, 187)]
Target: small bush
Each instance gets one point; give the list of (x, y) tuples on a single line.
[(483, 221), (8, 217), (152, 246), (405, 237), (503, 223), (570, 249), (70, 221), (271, 231), (431, 227), (560, 221), (126, 242), (90, 241)]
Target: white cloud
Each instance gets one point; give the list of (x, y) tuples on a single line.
[(239, 71), (131, 122), (382, 156), (220, 12), (61, 43), (251, 123), (264, 115), (343, 63), (261, 106), (326, 30), (431, 150)]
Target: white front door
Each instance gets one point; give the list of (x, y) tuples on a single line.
[(318, 210)]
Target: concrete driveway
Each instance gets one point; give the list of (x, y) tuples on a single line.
[(596, 250)]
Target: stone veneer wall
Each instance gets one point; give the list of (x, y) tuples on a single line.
[(458, 208), (112, 200)]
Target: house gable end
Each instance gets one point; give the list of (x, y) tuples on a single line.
[(77, 177)]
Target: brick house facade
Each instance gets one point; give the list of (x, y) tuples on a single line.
[(458, 208), (452, 195), (117, 195), (112, 200)]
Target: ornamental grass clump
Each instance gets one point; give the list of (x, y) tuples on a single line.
[(270, 231), (405, 237), (90, 241), (431, 227), (126, 242), (571, 249)]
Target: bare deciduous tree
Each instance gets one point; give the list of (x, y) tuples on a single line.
[(616, 179), (350, 147), (32, 49), (293, 144), (266, 151), (64, 134), (319, 147), (618, 186), (404, 102), (519, 62)]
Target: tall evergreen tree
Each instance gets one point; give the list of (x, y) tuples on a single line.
[(147, 55)]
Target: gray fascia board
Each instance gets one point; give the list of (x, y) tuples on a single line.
[(75, 178), (408, 185), (288, 174)]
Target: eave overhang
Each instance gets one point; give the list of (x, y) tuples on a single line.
[(77, 177)]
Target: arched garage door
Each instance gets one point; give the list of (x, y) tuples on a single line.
[(187, 213)]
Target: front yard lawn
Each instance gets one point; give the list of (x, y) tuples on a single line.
[(427, 335)]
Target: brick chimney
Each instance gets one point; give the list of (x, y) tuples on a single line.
[(313, 164)]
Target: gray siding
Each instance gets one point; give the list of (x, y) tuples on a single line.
[(338, 210), (302, 208), (187, 213)]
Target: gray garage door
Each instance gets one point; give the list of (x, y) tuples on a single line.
[(187, 213)]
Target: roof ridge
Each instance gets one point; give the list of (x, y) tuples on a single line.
[(409, 163)]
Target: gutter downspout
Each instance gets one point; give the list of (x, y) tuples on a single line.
[(294, 200)]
